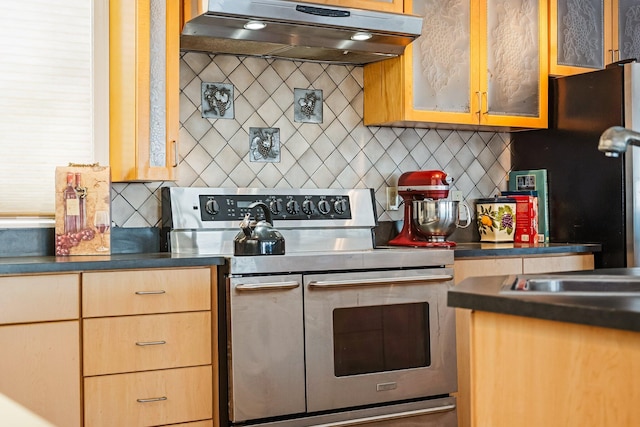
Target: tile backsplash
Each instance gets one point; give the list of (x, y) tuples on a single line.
[(339, 152)]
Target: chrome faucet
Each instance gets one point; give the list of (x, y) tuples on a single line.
[(614, 140)]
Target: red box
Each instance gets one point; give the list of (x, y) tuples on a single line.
[(526, 216)]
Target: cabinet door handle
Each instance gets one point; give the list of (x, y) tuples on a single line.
[(145, 343), (485, 103), (378, 281), (175, 153), (379, 418), (267, 286), (150, 292), (152, 399)]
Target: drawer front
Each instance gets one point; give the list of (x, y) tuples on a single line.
[(39, 298), (143, 343), (206, 423), (116, 293), (149, 398)]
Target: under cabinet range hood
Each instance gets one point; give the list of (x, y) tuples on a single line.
[(299, 31)]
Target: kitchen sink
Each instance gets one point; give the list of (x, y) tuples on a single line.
[(578, 285)]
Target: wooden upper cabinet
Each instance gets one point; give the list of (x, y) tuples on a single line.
[(144, 89), (587, 35), (383, 5), (477, 63), (625, 27)]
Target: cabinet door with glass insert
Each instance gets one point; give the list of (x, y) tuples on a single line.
[(628, 14), (443, 60), (513, 63), (578, 35)]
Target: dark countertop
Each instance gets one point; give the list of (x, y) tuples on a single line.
[(478, 250), (483, 294), (52, 264)]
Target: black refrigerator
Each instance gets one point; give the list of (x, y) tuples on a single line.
[(591, 196)]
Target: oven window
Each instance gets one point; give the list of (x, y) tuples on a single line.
[(380, 338)]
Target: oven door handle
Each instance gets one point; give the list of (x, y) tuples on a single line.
[(253, 287), (364, 282), (377, 418)]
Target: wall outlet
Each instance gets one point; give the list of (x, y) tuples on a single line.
[(392, 199), (456, 195)]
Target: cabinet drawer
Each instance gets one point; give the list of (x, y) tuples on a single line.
[(116, 293), (143, 343), (149, 398), (39, 298)]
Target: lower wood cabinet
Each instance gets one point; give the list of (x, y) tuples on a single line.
[(40, 345), (529, 372), (147, 347), (40, 369), (494, 266)]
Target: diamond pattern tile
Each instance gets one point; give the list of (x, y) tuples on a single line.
[(340, 152)]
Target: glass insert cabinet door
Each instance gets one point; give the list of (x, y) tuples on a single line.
[(586, 35), (628, 29), (513, 58), (442, 68), (580, 30), (144, 89), (480, 62)]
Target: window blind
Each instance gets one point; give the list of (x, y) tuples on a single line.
[(53, 100)]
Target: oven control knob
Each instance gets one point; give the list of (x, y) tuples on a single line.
[(275, 206), (324, 207), (293, 207), (212, 207), (340, 206), (308, 207)]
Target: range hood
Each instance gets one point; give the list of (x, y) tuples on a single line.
[(300, 31)]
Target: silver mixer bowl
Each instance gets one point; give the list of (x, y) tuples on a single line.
[(436, 219)]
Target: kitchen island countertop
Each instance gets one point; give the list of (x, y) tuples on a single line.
[(484, 294)]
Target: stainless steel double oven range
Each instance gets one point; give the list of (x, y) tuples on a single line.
[(333, 333)]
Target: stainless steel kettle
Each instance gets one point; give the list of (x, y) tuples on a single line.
[(258, 238)]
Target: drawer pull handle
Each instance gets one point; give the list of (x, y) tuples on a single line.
[(142, 344), (150, 292), (377, 281), (153, 399)]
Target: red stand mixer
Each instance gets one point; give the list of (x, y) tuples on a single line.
[(428, 218)]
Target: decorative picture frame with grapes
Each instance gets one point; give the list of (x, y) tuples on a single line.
[(307, 105), (217, 100)]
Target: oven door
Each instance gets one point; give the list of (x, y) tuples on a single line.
[(374, 337), (266, 347)]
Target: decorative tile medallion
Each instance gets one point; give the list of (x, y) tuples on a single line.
[(217, 100), (307, 106), (264, 144)]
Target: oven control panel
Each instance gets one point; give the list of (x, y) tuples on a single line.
[(233, 207)]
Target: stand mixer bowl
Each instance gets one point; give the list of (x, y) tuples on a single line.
[(438, 219)]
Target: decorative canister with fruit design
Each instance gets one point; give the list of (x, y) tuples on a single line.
[(496, 219)]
